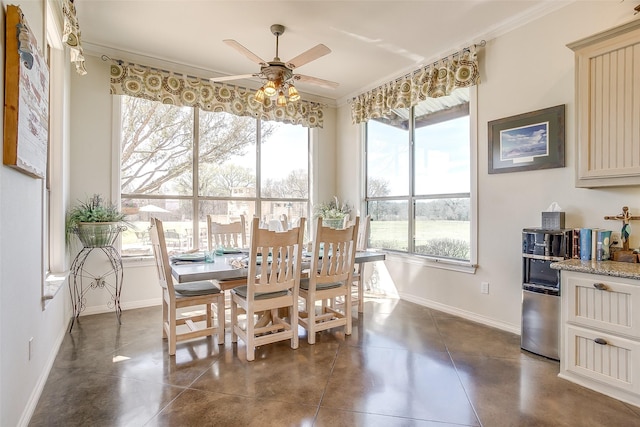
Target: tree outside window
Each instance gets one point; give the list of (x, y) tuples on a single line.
[(181, 164)]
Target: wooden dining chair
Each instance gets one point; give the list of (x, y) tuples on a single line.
[(361, 245), (273, 280), (232, 235), (330, 277), (174, 297)]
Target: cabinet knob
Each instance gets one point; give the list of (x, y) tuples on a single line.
[(600, 341), (601, 286)]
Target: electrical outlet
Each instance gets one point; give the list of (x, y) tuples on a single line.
[(30, 347), (484, 287), (616, 239)]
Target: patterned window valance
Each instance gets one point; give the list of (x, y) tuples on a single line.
[(71, 35), (432, 81), (173, 88)]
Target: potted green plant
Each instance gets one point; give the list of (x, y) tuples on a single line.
[(333, 213), (95, 222)]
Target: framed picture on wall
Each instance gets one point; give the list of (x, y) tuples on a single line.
[(529, 141), (26, 105)]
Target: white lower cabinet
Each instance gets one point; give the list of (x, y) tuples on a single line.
[(604, 357), (601, 334)]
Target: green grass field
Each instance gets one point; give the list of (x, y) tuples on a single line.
[(393, 234)]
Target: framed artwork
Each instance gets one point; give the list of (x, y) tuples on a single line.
[(529, 141), (26, 105)]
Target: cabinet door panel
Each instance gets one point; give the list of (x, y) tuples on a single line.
[(616, 308), (607, 94), (604, 357)]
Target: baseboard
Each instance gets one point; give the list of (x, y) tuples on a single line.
[(98, 309), (474, 317), (30, 407)]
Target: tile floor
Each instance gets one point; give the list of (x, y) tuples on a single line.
[(404, 365)]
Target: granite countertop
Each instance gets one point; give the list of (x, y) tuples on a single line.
[(606, 268)]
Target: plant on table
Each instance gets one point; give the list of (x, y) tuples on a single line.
[(332, 212)]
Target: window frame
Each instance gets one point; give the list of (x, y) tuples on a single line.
[(465, 266), (54, 188), (196, 198)]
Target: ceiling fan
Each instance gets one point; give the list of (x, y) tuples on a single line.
[(279, 75)]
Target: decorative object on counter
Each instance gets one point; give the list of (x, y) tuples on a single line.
[(603, 241), (585, 243), (575, 243), (333, 213), (529, 141), (625, 217), (96, 223), (553, 220), (553, 217)]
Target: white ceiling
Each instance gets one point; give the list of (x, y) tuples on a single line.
[(371, 41)]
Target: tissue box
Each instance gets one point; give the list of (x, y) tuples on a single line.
[(552, 220)]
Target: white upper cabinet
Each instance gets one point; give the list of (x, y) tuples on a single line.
[(608, 107)]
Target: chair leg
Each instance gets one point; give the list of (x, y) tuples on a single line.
[(293, 321), (209, 316), (172, 331), (347, 309), (251, 336), (360, 296), (234, 321), (165, 317), (311, 320), (221, 319)]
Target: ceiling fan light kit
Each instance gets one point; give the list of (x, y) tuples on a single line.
[(293, 93), (270, 88), (277, 75)]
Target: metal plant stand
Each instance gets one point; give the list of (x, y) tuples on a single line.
[(82, 280)]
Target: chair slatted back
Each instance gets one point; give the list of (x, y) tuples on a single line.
[(158, 243), (334, 252), (363, 234), (274, 259), (233, 235)]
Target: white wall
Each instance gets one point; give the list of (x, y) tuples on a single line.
[(527, 69), (91, 172), (21, 310)]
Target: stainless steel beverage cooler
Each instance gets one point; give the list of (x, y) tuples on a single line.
[(540, 333)]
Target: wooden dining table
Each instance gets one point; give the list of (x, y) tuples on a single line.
[(224, 269)]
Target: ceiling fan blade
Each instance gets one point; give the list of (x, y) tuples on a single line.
[(308, 56), (316, 81), (227, 78), (246, 52)]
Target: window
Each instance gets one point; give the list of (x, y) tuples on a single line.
[(181, 164), (53, 191), (418, 179)]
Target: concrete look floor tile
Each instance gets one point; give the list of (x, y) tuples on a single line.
[(336, 418), (411, 329), (398, 383), (69, 399), (526, 391), (203, 408), (464, 336), (302, 373)]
